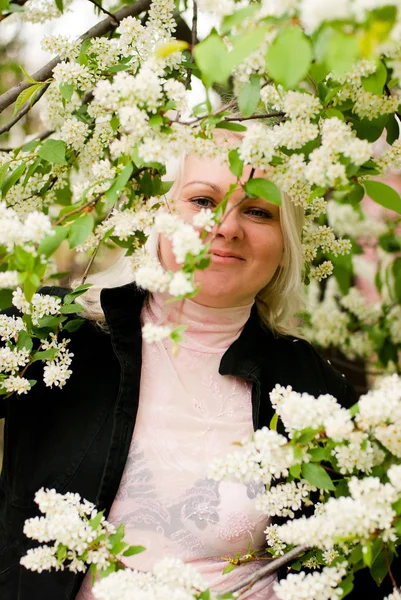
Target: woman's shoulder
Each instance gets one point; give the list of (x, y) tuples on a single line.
[(310, 358)]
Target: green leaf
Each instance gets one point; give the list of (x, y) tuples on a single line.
[(245, 44), (397, 278), (53, 151), (356, 555), (134, 550), (31, 284), (295, 471), (81, 289), (379, 568), (375, 82), (347, 585), (367, 554), (384, 195), (370, 130), (113, 193), (118, 547), (12, 179), (263, 188), (31, 169), (236, 163), (60, 5), (50, 243), (289, 57), (80, 230), (342, 52), (25, 95), (73, 325), (69, 309), (66, 90), (24, 341), (319, 454), (317, 476), (238, 17), (204, 595), (49, 321), (61, 552), (249, 96), (45, 354), (212, 59), (3, 172), (393, 130), (305, 436), (230, 126), (356, 194), (96, 520), (5, 298), (273, 422), (228, 569), (108, 571)]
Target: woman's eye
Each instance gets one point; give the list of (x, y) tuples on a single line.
[(259, 213), (202, 202)]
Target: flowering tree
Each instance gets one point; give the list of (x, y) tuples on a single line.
[(348, 459), (312, 85)]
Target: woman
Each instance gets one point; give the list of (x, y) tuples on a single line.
[(135, 427)]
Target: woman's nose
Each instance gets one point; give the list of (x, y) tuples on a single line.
[(230, 226)]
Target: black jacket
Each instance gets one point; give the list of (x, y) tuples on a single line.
[(77, 438)]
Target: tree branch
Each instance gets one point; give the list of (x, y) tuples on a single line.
[(97, 30), (272, 567), (26, 108), (106, 12), (19, 2), (193, 40)]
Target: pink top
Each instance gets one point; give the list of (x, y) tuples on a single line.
[(188, 414)]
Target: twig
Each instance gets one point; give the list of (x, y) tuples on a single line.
[(97, 30), (248, 582), (263, 116), (90, 263), (26, 108), (193, 40), (393, 581), (19, 2), (42, 136), (106, 12), (77, 210)]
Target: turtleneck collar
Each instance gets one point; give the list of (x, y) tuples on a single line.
[(210, 330)]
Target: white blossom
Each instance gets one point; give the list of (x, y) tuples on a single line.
[(20, 385), (312, 586), (180, 284), (284, 498), (9, 327), (155, 333), (9, 279)]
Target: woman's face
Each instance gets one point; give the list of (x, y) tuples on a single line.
[(248, 245)]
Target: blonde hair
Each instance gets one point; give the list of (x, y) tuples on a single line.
[(276, 303)]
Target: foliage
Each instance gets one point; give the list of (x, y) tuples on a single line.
[(313, 89)]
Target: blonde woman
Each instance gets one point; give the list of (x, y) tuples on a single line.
[(136, 426)]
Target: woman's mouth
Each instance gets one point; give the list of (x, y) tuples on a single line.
[(225, 257)]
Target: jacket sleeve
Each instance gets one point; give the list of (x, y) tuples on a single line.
[(13, 312)]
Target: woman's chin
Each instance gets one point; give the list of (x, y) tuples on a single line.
[(219, 293)]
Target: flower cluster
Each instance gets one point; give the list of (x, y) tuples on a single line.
[(320, 586), (17, 232), (80, 534), (367, 510), (266, 457), (300, 411), (170, 578)]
